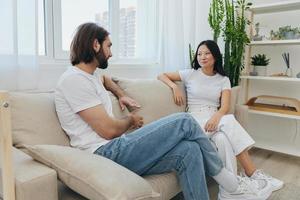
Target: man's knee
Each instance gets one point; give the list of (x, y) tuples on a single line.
[(182, 115), (187, 148)]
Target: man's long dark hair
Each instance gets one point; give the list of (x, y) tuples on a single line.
[(82, 44), (215, 51)]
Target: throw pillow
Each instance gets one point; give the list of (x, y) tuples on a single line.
[(92, 176)]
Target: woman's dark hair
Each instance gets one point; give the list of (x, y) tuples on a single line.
[(82, 44), (215, 51)]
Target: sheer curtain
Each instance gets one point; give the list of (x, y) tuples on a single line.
[(147, 29), (18, 49), (181, 22)]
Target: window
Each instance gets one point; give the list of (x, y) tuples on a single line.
[(6, 37), (77, 12), (127, 29), (41, 28), (132, 25)]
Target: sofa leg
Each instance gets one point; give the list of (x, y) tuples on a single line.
[(6, 148)]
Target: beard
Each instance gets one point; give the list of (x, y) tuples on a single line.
[(102, 61)]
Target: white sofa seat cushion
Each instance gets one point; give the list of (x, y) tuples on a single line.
[(92, 176)]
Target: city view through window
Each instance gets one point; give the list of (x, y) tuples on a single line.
[(98, 11)]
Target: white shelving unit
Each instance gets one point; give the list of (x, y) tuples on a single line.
[(283, 134), (270, 78), (275, 42)]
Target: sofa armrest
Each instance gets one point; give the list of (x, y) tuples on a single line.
[(33, 180), (234, 99)]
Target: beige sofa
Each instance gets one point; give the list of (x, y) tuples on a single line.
[(36, 132)]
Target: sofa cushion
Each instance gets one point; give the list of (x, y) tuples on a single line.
[(118, 113), (92, 176), (35, 120), (155, 98), (166, 184)]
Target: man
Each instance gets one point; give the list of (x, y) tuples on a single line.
[(173, 143)]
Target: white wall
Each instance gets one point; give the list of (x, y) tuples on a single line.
[(50, 73)]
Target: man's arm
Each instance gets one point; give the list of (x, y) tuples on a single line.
[(110, 85), (106, 126)]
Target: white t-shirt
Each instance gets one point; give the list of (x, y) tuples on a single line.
[(76, 91), (203, 90)]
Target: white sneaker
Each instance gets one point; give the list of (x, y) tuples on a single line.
[(275, 183), (248, 189)]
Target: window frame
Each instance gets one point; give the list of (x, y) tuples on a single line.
[(53, 37)]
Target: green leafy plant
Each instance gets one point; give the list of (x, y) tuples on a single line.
[(191, 54), (284, 32), (260, 60), (233, 28), (216, 17)]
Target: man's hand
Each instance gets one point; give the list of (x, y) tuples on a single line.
[(137, 120), (127, 101)]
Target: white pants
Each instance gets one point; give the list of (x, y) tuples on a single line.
[(230, 138)]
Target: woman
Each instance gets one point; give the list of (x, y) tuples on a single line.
[(208, 96)]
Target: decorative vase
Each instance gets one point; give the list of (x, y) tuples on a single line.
[(260, 70), (289, 72)]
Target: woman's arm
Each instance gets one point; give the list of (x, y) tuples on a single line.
[(225, 102), (168, 79)]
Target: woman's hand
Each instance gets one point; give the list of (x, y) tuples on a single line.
[(212, 124), (178, 96)]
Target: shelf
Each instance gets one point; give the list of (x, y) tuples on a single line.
[(281, 148), (276, 7), (275, 42), (272, 114), (271, 78)]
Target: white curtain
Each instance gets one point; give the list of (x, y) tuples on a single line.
[(18, 45), (147, 29), (181, 22)]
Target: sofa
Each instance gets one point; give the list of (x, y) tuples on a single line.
[(41, 164)]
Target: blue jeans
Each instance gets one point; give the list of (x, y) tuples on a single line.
[(173, 143)]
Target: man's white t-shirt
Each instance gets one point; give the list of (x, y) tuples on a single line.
[(76, 91), (203, 90)]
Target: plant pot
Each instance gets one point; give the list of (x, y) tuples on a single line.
[(260, 70), (289, 35)]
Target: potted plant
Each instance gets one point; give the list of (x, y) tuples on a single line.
[(227, 18), (259, 62)]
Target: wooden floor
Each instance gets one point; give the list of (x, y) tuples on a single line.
[(281, 166)]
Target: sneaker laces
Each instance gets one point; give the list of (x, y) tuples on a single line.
[(259, 173), (247, 185)]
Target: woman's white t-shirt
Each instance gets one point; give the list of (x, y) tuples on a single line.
[(203, 90)]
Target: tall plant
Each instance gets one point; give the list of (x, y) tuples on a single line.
[(216, 17), (235, 37)]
